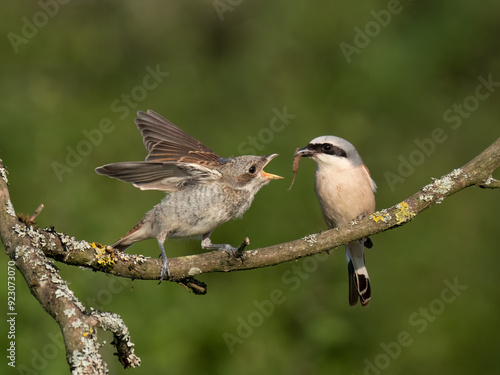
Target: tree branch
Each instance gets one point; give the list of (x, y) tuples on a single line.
[(30, 247), (78, 325), (105, 259)]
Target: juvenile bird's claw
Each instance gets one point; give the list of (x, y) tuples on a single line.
[(230, 250), (164, 264)]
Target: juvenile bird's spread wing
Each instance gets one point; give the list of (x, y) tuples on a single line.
[(175, 159), (166, 142), (167, 176)]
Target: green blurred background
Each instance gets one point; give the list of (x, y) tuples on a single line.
[(233, 65)]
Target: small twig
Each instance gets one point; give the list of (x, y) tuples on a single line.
[(36, 213), (193, 285), (241, 248), (30, 220)]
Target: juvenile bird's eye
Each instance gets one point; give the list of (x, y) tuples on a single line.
[(327, 147), (252, 169)]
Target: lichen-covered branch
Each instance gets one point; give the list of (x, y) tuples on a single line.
[(478, 172), (23, 245)]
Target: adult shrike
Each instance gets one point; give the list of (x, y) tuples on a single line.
[(345, 192)]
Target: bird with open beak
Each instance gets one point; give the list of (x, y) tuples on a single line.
[(345, 192), (204, 189)]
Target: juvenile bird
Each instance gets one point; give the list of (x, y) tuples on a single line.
[(345, 192), (204, 189)]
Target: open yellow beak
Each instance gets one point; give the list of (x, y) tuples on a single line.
[(270, 176)]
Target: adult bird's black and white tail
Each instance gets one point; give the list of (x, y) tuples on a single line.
[(359, 281)]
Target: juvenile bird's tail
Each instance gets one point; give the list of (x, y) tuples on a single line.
[(141, 231), (359, 281)]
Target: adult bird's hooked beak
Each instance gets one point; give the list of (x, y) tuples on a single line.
[(304, 152), (270, 176)]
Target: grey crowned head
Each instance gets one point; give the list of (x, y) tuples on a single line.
[(331, 149)]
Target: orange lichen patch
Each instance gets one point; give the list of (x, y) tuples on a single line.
[(105, 256)]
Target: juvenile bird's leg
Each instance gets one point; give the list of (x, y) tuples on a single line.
[(164, 259), (206, 244)]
